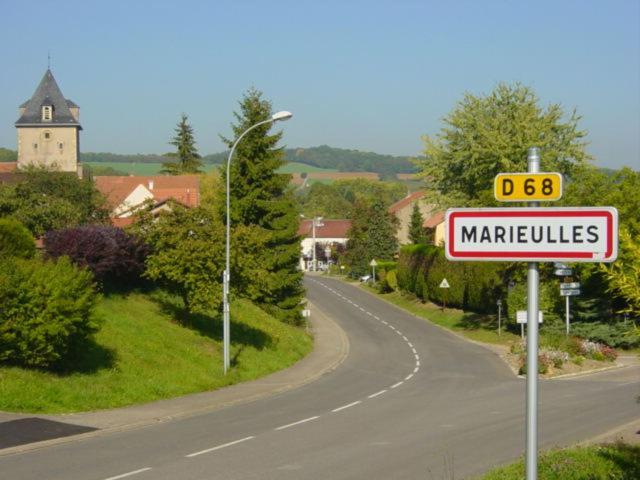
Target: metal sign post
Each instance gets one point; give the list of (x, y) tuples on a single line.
[(373, 264), (533, 281), (499, 303), (532, 234), (444, 284)]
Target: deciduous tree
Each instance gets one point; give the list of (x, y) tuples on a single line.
[(485, 135)]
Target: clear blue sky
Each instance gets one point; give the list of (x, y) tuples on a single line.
[(370, 75)]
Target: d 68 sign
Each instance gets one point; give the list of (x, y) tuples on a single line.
[(528, 187)]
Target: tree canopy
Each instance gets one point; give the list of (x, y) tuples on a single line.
[(486, 135), (187, 156), (262, 206)]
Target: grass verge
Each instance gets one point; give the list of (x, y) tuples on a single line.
[(142, 354), (474, 326), (618, 461)]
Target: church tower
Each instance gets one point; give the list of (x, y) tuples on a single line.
[(49, 129)]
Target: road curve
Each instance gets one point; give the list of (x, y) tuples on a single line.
[(411, 401)]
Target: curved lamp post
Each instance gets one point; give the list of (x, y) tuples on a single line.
[(226, 276)]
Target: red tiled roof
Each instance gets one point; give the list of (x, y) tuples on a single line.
[(123, 222), (433, 221), (329, 229), (408, 200), (8, 167), (183, 188)]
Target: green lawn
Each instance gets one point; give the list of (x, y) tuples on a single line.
[(481, 328), (605, 462), (142, 354)]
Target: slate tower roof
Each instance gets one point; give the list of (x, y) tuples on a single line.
[(47, 94)]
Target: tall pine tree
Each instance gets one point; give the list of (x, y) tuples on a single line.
[(416, 230), (263, 208), (188, 158), (372, 236)]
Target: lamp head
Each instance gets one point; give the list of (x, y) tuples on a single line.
[(281, 116)]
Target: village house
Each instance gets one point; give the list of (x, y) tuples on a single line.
[(330, 234), (128, 194), (403, 209)]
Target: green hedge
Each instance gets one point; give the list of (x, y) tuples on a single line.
[(472, 286), (47, 311)]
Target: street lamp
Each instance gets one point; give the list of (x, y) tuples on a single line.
[(317, 222), (226, 276)]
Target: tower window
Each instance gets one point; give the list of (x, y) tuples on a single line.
[(47, 112), (47, 135), (60, 146)]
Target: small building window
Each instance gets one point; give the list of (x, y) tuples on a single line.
[(47, 112), (35, 146), (47, 135), (60, 146)]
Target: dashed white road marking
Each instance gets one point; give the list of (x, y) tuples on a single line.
[(410, 344), (362, 309), (374, 395), (195, 454), (298, 422), (396, 384), (385, 322), (128, 474), (344, 407), (408, 377), (415, 370)]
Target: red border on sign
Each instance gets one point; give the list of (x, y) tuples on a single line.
[(538, 213)]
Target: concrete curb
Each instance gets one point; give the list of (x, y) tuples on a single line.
[(331, 348)]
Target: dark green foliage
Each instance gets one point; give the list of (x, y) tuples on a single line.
[(15, 240), (350, 160), (115, 257), (7, 155), (187, 255), (338, 199), (372, 236), (47, 311), (472, 286), (99, 170), (44, 200), (620, 334), (263, 206), (187, 158), (416, 230)]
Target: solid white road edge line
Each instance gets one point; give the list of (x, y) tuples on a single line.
[(128, 474), (346, 406), (374, 395), (408, 377), (397, 384), (297, 423), (218, 447)]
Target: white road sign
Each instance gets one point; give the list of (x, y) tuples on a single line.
[(569, 286), (570, 292), (574, 234), (563, 272), (444, 283), (373, 263), (521, 316)]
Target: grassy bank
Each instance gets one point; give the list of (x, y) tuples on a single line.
[(606, 462), (143, 354), (481, 328)]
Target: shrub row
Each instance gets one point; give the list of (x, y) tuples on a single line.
[(472, 286)]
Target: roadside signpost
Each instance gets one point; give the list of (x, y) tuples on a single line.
[(444, 284), (567, 290), (532, 235), (499, 304), (527, 187), (373, 265)]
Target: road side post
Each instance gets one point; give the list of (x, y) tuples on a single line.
[(533, 282)]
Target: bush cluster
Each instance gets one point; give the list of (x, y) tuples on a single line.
[(472, 286), (15, 240), (116, 258), (47, 311)]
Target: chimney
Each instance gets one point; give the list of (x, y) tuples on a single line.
[(150, 184)]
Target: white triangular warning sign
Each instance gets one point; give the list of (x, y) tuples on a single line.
[(444, 283)]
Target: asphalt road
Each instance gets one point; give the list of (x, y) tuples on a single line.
[(411, 401)]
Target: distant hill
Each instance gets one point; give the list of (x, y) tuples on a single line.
[(7, 155), (325, 157)]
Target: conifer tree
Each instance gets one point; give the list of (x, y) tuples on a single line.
[(416, 230), (263, 208), (188, 158)]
